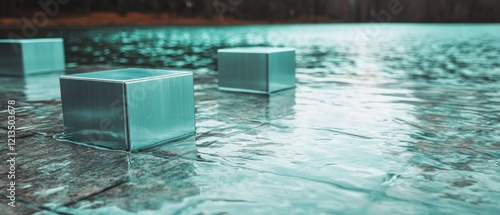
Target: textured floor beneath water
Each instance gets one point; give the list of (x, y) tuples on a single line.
[(262, 154), (398, 125)]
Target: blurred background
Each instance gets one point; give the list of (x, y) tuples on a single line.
[(161, 12)]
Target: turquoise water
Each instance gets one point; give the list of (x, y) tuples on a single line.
[(386, 119)]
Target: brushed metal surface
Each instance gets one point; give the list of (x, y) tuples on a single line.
[(281, 67), (128, 109), (93, 112), (160, 110), (261, 70), (243, 71), (31, 56), (11, 63), (130, 74)]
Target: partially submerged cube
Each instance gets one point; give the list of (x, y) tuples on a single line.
[(31, 56), (128, 109), (256, 69)]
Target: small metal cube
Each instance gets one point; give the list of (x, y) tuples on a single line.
[(128, 109), (262, 70), (31, 56)]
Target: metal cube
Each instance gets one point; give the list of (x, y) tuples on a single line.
[(128, 109), (262, 70), (31, 56)]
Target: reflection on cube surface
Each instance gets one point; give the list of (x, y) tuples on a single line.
[(31, 56), (256, 69), (128, 109)]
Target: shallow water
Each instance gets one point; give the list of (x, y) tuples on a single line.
[(386, 119)]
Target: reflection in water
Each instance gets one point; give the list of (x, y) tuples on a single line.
[(255, 107), (33, 88), (406, 122), (449, 154)]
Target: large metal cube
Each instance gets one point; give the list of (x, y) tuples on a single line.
[(31, 56), (128, 109), (256, 69)]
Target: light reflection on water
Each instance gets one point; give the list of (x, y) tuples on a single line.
[(406, 121)]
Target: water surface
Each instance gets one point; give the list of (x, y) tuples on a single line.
[(385, 119)]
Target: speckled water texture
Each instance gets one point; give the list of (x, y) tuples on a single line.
[(385, 119)]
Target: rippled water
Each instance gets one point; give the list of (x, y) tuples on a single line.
[(386, 119)]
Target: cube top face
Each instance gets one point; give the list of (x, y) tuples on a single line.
[(261, 70), (126, 75), (256, 50), (42, 40), (133, 112)]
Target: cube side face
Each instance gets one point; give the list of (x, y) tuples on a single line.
[(94, 113), (246, 72), (43, 57), (11, 59), (281, 71), (160, 110)]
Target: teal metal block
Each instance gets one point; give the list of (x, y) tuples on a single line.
[(128, 109), (31, 56), (262, 70)]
